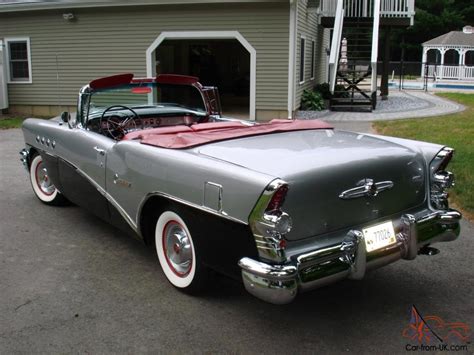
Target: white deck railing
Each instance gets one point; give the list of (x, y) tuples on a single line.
[(451, 72), (365, 8)]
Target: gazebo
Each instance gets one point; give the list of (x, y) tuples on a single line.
[(450, 56)]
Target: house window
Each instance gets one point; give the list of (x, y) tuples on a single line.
[(19, 60), (313, 59), (302, 55)]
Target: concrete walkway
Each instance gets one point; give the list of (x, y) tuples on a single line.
[(400, 105)]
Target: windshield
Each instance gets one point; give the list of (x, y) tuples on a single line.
[(147, 96)]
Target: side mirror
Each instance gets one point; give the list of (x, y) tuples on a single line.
[(65, 116), (71, 120)]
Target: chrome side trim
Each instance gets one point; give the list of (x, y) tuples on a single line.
[(136, 226), (367, 187), (109, 198), (186, 203)]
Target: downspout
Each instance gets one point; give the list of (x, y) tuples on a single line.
[(3, 78), (292, 57)]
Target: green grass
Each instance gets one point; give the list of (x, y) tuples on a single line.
[(11, 122), (456, 131)]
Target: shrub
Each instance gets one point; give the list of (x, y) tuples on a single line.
[(323, 89), (312, 101)]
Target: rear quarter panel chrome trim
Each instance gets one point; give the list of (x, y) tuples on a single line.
[(186, 203)]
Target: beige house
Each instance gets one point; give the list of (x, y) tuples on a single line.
[(261, 54)]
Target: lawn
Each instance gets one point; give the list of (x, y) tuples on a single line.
[(11, 122), (456, 131)]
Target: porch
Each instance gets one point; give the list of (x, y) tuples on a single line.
[(392, 12)]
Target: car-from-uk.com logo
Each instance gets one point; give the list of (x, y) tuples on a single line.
[(432, 333)]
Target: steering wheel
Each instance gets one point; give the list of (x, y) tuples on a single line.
[(115, 125)]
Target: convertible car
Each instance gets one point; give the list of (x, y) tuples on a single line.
[(286, 206)]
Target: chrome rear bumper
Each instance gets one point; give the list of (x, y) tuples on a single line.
[(279, 284)]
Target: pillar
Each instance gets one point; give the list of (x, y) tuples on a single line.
[(462, 53), (440, 71), (424, 58), (385, 64)]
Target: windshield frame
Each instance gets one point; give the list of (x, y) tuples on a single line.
[(86, 94)]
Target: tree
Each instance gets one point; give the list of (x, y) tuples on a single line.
[(433, 18)]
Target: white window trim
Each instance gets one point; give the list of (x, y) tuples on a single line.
[(151, 65), (313, 59), (302, 51), (7, 51)]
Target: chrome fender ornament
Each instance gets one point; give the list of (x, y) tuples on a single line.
[(366, 187)]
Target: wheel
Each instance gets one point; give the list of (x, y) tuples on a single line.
[(42, 185), (177, 253)]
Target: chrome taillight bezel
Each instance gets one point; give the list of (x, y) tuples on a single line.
[(440, 179), (270, 225)]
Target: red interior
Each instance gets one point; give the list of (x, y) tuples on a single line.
[(176, 137)]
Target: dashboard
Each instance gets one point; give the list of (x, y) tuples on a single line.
[(128, 124)]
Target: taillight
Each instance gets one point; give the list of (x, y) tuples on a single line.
[(278, 199), (281, 221), (269, 223), (440, 179)]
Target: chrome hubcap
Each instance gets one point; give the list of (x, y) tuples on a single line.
[(178, 249), (43, 181)]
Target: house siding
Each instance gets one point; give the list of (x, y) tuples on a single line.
[(307, 27), (105, 41)]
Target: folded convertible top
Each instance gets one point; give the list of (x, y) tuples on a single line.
[(179, 137)]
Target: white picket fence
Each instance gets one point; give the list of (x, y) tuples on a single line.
[(365, 8), (451, 72)]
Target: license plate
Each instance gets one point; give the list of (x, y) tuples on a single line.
[(379, 236)]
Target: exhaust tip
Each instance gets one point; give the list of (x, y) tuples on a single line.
[(426, 250)]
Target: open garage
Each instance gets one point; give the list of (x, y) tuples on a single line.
[(224, 63)]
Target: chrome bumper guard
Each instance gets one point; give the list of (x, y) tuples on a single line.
[(279, 284), (25, 158)]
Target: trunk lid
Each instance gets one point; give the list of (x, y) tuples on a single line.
[(320, 164)]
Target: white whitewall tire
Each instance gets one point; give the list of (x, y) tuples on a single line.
[(176, 251), (41, 183)]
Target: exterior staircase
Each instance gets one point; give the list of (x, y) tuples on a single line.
[(353, 67), (353, 91)]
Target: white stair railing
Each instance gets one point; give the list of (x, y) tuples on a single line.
[(375, 46), (336, 45)]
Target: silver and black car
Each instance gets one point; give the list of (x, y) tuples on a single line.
[(286, 206)]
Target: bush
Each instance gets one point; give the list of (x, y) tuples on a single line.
[(323, 89), (312, 101)]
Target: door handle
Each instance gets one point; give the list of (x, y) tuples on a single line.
[(99, 150)]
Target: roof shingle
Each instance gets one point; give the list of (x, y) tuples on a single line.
[(453, 38)]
